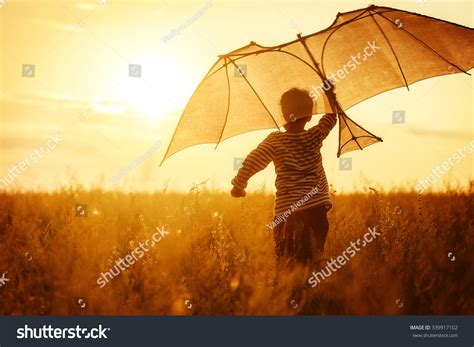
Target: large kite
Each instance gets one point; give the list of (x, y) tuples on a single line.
[(363, 53)]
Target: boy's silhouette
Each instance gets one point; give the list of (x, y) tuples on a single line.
[(302, 197)]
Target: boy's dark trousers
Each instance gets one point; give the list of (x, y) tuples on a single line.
[(301, 237)]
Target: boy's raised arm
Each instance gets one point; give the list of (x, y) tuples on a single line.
[(256, 161), (327, 122), (325, 125)]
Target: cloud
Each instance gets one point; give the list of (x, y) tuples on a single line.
[(96, 104), (439, 133), (86, 6), (57, 26)]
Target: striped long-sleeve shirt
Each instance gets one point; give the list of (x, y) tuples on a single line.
[(298, 164)]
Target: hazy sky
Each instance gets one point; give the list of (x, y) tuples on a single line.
[(81, 88)]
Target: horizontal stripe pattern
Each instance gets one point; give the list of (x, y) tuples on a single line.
[(298, 165)]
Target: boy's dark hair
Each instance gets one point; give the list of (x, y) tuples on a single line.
[(295, 104)]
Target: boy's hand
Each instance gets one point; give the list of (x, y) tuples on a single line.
[(238, 192)]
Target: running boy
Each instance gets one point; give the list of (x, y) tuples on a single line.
[(302, 198)]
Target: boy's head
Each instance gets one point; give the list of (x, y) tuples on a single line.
[(296, 106)]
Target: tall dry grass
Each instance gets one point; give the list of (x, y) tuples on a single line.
[(219, 256)]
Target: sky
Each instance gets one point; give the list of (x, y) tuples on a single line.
[(112, 78)]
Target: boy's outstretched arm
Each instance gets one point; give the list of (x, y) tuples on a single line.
[(256, 161)]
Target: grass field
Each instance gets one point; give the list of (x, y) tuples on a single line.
[(218, 258)]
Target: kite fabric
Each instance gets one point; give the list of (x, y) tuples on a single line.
[(363, 53)]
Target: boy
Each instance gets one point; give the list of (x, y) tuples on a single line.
[(302, 198)]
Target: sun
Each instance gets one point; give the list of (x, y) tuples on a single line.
[(161, 86), (157, 87)]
